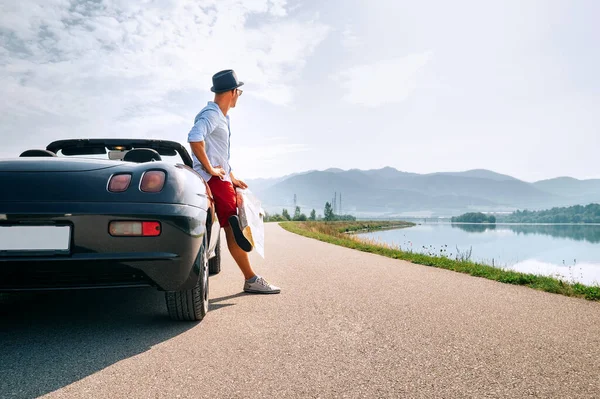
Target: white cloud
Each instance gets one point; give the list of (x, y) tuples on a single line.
[(382, 82), (88, 63), (265, 160), (350, 41), (142, 68)]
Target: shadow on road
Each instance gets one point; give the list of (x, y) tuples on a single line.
[(50, 340), (214, 303)]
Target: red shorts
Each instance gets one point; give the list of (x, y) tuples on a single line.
[(225, 199)]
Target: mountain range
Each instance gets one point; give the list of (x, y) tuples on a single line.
[(388, 192)]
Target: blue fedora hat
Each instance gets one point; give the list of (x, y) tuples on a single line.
[(224, 81)]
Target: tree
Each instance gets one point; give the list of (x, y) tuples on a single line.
[(329, 215), (286, 215), (299, 216), (268, 217), (313, 215), (273, 218), (574, 214), (474, 217)]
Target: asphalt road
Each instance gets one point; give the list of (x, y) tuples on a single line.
[(346, 325)]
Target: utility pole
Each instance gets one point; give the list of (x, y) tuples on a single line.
[(295, 202), (340, 203), (335, 203)]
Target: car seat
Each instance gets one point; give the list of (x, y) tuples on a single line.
[(140, 155), (37, 153)]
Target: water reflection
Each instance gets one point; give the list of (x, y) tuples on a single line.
[(475, 228), (588, 233), (570, 252), (585, 273)]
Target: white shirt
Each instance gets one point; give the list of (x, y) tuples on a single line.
[(212, 127)]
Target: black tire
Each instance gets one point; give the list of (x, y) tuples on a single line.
[(214, 264), (192, 304)]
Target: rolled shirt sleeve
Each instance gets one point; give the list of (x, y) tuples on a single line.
[(205, 124)]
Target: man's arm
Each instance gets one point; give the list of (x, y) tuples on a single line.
[(200, 152), (205, 124), (236, 182)]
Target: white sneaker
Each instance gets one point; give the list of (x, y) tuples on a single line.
[(261, 286)]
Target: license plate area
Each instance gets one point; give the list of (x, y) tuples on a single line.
[(34, 239)]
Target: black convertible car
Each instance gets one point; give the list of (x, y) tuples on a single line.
[(100, 213)]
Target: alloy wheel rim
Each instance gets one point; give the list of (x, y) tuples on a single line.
[(205, 281)]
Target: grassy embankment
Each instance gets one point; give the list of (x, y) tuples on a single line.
[(337, 233)]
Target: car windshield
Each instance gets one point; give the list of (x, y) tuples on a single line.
[(117, 156)]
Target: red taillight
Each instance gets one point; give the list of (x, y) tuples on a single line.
[(134, 229), (119, 183), (150, 229), (153, 181)]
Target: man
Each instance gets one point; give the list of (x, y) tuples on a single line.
[(210, 143)]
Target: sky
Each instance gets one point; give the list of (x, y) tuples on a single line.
[(423, 87)]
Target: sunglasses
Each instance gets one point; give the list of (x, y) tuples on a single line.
[(239, 92)]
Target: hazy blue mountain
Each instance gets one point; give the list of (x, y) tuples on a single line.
[(502, 192), (576, 191), (388, 191), (480, 173), (316, 188), (260, 184), (387, 173), (568, 186)]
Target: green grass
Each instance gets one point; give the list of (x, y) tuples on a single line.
[(337, 233)]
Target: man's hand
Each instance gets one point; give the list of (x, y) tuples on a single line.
[(218, 171), (238, 183), (198, 150)]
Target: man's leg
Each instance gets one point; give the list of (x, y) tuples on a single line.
[(225, 202), (253, 283), (239, 255)]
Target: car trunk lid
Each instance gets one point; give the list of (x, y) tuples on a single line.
[(55, 164)]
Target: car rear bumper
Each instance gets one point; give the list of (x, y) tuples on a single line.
[(95, 258)]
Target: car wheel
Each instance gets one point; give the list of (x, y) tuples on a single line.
[(192, 304), (214, 263)]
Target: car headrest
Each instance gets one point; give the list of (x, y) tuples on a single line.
[(37, 153), (141, 155)]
